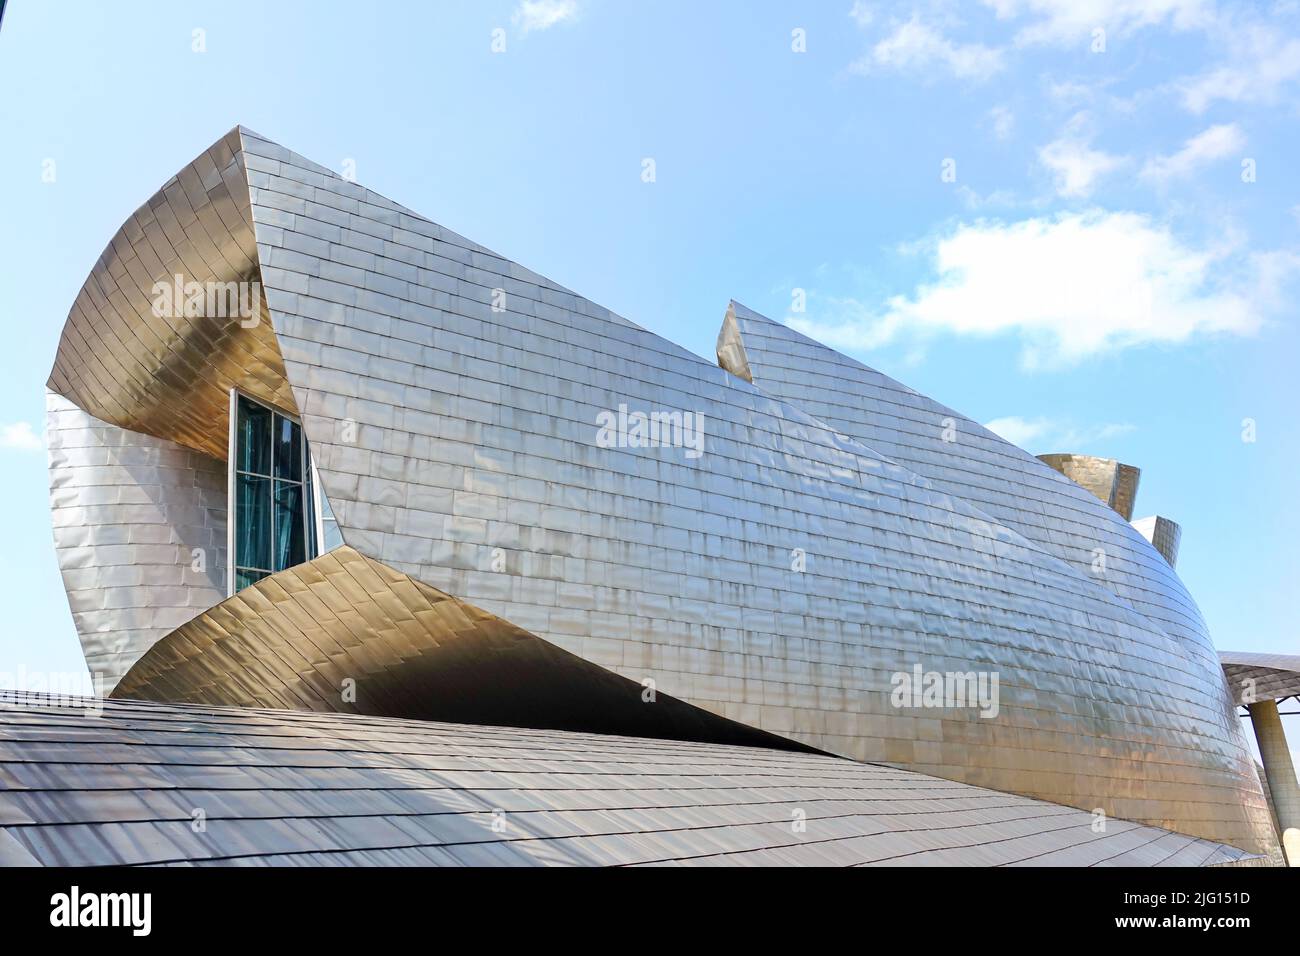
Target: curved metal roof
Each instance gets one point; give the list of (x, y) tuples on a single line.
[(291, 788)]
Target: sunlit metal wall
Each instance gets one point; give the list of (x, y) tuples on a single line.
[(780, 579), (139, 531), (963, 458)]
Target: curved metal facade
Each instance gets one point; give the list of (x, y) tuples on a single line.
[(148, 365), (780, 576), (345, 634), (1113, 483), (139, 532), (1057, 514)]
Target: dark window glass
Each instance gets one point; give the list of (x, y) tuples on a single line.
[(253, 441), (290, 539), (253, 524), (288, 450), (274, 520)]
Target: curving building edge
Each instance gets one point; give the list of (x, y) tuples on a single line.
[(771, 573)]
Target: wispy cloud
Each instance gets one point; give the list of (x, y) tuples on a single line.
[(533, 15), (1074, 164), (1071, 287), (1062, 22), (915, 46), (21, 436), (1003, 122), (861, 13), (1043, 435), (1262, 65), (1214, 143)]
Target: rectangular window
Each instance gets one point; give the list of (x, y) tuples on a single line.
[(279, 516)]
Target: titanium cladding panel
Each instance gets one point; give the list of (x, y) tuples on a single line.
[(779, 578), (1007, 482), (139, 532), (292, 789)]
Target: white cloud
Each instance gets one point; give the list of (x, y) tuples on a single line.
[(1049, 435), (20, 435), (1069, 92), (1071, 287), (1068, 21), (915, 46), (533, 15), (861, 13), (1003, 120), (1003, 198), (1075, 165), (1214, 143), (1262, 65)]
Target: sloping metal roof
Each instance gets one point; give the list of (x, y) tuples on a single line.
[(1275, 675), (142, 783)]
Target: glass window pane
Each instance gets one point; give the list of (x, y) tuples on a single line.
[(253, 522), (245, 577), (288, 450), (253, 443), (290, 537), (326, 509), (333, 537)]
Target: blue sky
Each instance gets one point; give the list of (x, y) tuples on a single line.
[(1088, 238)]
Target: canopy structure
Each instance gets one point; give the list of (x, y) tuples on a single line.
[(1260, 682)]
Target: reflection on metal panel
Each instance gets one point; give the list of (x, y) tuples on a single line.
[(139, 531), (147, 359), (1164, 535), (282, 789), (344, 633), (962, 458), (1111, 482)]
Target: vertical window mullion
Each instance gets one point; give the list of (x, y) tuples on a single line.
[(232, 462), (312, 543)]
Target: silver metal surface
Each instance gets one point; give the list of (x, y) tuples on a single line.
[(781, 578), (1057, 517), (139, 532), (154, 371), (960, 457), (285, 789), (1112, 482), (343, 633), (1164, 535), (1261, 676)]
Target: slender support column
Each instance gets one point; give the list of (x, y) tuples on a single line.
[(1280, 772)]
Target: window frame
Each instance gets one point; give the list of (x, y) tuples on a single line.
[(314, 534), (318, 498)]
